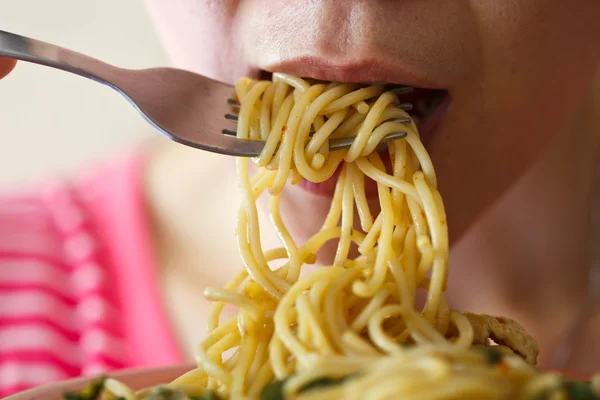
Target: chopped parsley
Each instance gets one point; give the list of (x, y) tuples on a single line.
[(322, 383), (91, 392), (492, 356), (94, 389), (274, 390), (209, 395), (164, 393), (577, 390), (570, 389)]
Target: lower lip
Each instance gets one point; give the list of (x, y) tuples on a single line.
[(427, 129)]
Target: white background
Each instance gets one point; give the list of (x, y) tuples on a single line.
[(52, 122)]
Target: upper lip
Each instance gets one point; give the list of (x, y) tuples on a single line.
[(365, 70)]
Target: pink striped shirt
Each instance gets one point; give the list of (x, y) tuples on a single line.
[(78, 294)]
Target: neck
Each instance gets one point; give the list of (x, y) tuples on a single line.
[(533, 247), (193, 201)]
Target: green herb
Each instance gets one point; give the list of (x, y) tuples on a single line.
[(574, 390), (322, 383), (164, 393), (208, 395), (274, 390), (94, 389), (90, 392), (577, 390), (539, 396), (492, 356)]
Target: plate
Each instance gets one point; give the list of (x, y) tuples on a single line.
[(135, 378)]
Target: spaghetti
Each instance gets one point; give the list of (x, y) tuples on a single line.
[(354, 329)]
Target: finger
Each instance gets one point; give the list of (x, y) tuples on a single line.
[(6, 65)]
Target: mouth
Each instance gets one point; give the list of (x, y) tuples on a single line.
[(429, 106)]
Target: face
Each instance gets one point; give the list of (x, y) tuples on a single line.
[(516, 70)]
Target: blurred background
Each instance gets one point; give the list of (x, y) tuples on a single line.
[(52, 122)]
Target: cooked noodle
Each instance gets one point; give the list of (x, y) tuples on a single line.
[(354, 329)]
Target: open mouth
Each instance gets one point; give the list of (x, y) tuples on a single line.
[(428, 105), (428, 109)]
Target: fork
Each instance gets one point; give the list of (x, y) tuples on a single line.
[(185, 107)]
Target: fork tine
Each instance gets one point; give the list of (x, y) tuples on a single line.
[(401, 89), (234, 117), (334, 144), (233, 103), (344, 143), (405, 106)]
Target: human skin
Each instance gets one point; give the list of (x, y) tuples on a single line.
[(6, 65)]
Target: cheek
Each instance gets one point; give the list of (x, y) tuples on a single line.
[(537, 62), (538, 57), (198, 36)]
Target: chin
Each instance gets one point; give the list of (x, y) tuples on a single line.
[(303, 213)]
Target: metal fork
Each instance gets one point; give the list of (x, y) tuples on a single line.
[(185, 107)]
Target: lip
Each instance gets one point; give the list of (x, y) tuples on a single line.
[(365, 70), (427, 128)]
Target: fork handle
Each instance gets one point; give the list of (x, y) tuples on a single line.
[(34, 51)]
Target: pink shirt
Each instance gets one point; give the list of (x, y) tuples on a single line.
[(78, 290)]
